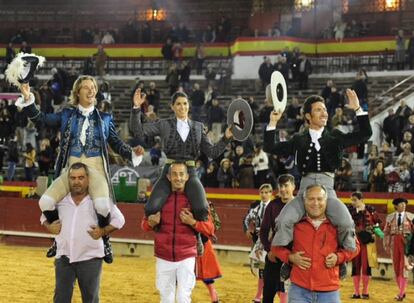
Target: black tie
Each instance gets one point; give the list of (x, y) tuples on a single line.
[(399, 220)]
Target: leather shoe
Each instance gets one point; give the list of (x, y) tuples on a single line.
[(285, 270), (342, 271), (108, 258), (52, 250)]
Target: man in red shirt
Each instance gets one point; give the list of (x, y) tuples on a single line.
[(175, 243), (315, 255)]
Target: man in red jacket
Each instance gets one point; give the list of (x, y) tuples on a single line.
[(175, 243), (315, 255)]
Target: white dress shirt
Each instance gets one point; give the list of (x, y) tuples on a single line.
[(183, 128), (73, 240)]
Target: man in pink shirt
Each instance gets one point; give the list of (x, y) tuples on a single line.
[(79, 246)]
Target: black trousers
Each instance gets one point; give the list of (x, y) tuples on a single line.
[(271, 278), (194, 191)]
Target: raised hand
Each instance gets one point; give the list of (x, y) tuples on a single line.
[(274, 118), (228, 133), (139, 98), (25, 90), (353, 101)]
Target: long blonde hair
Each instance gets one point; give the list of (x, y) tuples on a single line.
[(74, 94)]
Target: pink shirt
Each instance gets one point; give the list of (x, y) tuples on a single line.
[(73, 240)]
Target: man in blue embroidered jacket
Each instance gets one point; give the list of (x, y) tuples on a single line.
[(85, 134)]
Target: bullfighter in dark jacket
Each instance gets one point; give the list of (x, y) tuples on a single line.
[(318, 152), (183, 140)]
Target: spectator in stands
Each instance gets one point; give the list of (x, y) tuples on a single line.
[(265, 72), (343, 176), (177, 50), (390, 128), (386, 154), (100, 58), (370, 159), (200, 169), (339, 30), (402, 113), (153, 96), (315, 255), (399, 178), (13, 159), (197, 103), (400, 50), (406, 156), (361, 89), (155, 154), (210, 178), (185, 71), (107, 38), (150, 115), (146, 33), (210, 75), (398, 226), (182, 33), (199, 57), (335, 100), (45, 157), (327, 90), (282, 65), (410, 51), (245, 172), (167, 51), (261, 166), (10, 53), (225, 174), (215, 119), (209, 35), (172, 78), (338, 119), (304, 70), (377, 178), (129, 32), (6, 125), (25, 48), (366, 219), (407, 138), (29, 162), (265, 112)]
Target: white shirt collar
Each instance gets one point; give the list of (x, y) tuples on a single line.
[(402, 214), (85, 111), (315, 136)]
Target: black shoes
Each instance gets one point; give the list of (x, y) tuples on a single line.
[(285, 270), (52, 250), (109, 257), (342, 271), (365, 296)]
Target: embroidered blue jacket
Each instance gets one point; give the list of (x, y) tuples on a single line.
[(69, 120)]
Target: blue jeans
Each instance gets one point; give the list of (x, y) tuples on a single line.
[(297, 294), (10, 170)]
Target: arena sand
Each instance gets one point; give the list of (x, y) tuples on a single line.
[(26, 275)]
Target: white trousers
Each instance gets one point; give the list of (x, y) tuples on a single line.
[(175, 277)]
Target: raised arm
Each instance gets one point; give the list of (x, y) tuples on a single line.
[(27, 102)]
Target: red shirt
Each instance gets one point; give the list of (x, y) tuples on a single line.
[(317, 244), (176, 241)]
